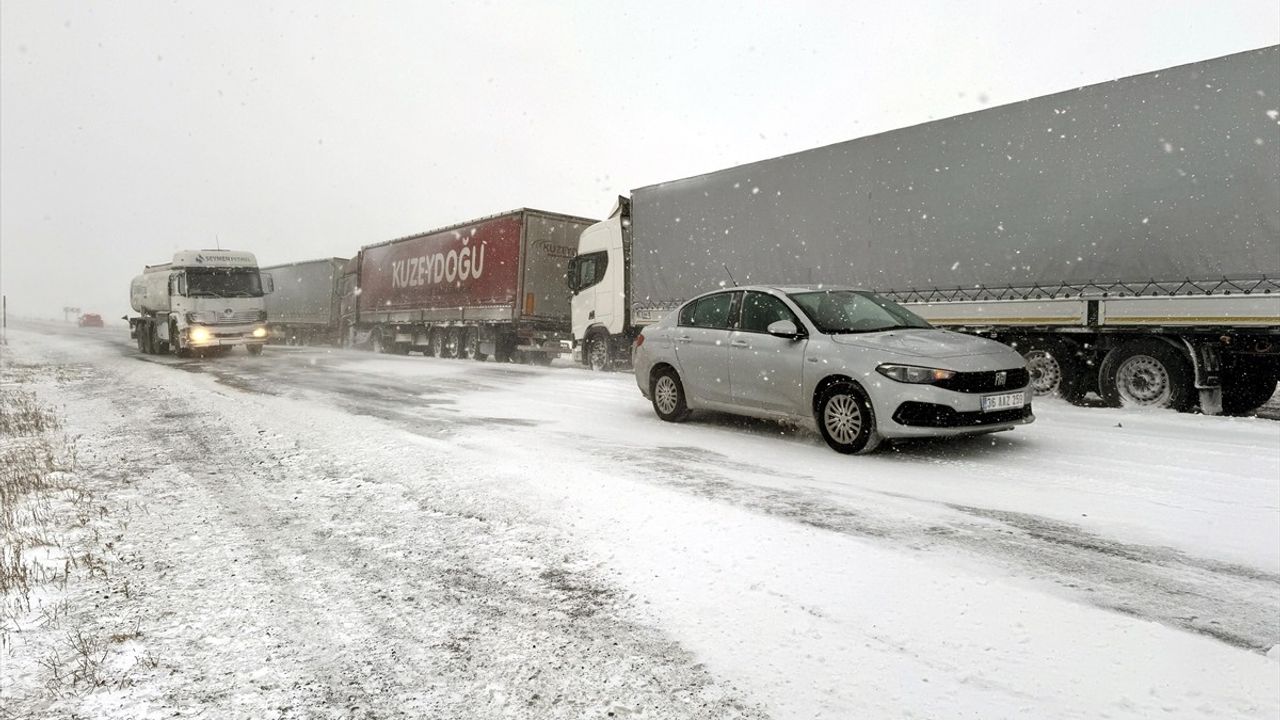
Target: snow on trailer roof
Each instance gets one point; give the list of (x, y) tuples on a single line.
[(486, 218)]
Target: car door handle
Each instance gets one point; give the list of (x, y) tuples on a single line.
[(739, 343), (684, 339)]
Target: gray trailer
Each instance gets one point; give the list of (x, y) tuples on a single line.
[(1125, 236), (304, 308)]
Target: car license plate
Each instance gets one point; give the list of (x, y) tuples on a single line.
[(1004, 402)]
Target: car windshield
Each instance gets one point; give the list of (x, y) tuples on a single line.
[(853, 311), (223, 282)]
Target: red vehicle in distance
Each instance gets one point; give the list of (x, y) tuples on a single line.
[(90, 320)]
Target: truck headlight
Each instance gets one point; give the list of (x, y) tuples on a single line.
[(915, 375), (198, 335), (260, 332)]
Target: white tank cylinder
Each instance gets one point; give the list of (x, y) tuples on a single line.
[(149, 292)]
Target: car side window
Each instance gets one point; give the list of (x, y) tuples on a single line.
[(686, 313), (713, 311), (760, 310)]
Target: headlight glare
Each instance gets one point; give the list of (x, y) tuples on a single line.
[(198, 335), (915, 375), (260, 332)]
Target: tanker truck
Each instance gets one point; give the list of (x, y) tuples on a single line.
[(1125, 236), (202, 300)]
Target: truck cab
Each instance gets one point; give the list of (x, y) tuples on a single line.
[(598, 279), (201, 299)]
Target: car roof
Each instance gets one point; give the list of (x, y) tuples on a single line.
[(786, 289)]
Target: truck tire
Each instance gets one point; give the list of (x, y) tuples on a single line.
[(1147, 373), (471, 345), (1243, 394), (254, 350), (452, 342), (1056, 368), (598, 355), (503, 348), (846, 420), (145, 333)]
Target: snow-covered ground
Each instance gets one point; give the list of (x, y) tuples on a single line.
[(336, 534)]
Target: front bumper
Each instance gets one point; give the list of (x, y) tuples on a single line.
[(904, 410), (216, 336)]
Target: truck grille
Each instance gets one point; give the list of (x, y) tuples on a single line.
[(238, 318), (981, 382)]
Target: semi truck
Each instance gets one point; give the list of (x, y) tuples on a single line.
[(304, 308), (491, 287), (1124, 236), (201, 300)]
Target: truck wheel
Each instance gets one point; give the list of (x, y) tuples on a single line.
[(145, 335), (1243, 395), (471, 345), (254, 350), (1146, 373), (599, 359), (846, 420), (452, 342), (1055, 369), (667, 395)]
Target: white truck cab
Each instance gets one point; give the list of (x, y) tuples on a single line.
[(599, 280), (200, 299)]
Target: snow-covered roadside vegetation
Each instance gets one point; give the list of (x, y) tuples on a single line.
[(63, 569)]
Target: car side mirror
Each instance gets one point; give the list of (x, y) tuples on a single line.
[(783, 329), (268, 283)]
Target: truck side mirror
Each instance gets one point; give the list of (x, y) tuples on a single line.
[(268, 284)]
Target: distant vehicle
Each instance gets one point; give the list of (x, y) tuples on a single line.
[(858, 367), (90, 320), (201, 300), (1125, 236), (492, 287), (304, 308)]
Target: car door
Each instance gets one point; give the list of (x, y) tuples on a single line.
[(702, 346), (766, 372)]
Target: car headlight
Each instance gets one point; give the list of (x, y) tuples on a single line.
[(198, 335), (915, 375), (260, 332)]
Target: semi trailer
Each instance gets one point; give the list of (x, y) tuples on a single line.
[(201, 300), (1124, 236), (304, 309), (492, 287)]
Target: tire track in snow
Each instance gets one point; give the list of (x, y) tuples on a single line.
[(1231, 603)]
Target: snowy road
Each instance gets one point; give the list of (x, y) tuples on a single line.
[(340, 534)]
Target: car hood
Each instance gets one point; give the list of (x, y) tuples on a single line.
[(923, 343)]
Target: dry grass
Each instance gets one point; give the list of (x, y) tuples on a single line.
[(53, 552)]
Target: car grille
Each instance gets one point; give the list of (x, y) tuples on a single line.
[(918, 414), (981, 382)]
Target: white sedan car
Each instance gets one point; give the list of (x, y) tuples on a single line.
[(857, 366)]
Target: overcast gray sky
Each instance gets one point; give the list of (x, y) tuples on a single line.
[(301, 129)]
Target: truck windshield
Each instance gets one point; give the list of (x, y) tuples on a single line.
[(852, 311), (223, 282)]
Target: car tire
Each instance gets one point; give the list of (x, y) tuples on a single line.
[(1146, 373), (846, 420), (1056, 369), (666, 392)]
